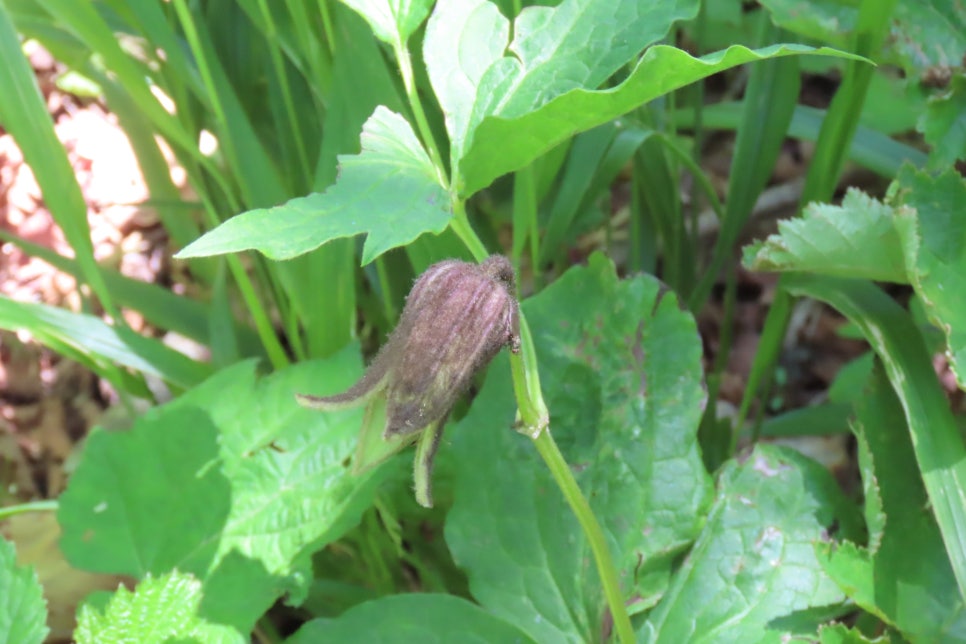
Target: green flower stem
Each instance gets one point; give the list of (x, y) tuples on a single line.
[(534, 419), (534, 416), (595, 536), (33, 506), (461, 226)]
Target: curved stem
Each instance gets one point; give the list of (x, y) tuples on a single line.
[(534, 416), (595, 536), (33, 506), (461, 226), (406, 69)]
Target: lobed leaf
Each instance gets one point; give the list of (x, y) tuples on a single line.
[(621, 374), (856, 239), (752, 575), (160, 609), (389, 191), (232, 482), (23, 611), (402, 619)]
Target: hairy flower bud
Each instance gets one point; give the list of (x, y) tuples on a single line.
[(457, 317)]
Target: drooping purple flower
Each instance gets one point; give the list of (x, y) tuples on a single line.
[(457, 318)]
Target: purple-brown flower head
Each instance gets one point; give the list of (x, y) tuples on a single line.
[(457, 318)]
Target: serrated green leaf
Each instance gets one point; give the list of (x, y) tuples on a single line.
[(23, 611), (754, 563), (934, 239), (511, 135), (160, 609), (393, 21), (917, 595), (856, 239), (943, 123), (925, 33), (389, 191), (233, 482), (621, 374), (936, 439), (403, 619)]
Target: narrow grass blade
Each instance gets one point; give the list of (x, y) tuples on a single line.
[(23, 113), (870, 149), (101, 347), (769, 102)]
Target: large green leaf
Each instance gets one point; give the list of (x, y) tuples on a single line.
[(23, 611), (925, 33), (159, 610), (621, 370), (934, 240), (403, 619), (856, 239), (753, 572), (390, 191), (233, 482), (553, 50), (916, 594), (509, 137)]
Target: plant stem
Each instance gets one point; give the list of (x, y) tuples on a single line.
[(461, 226), (412, 95), (535, 420), (526, 386), (33, 506), (595, 536)]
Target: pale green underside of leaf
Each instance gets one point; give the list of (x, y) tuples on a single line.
[(754, 564), (233, 482), (393, 21), (159, 610), (917, 595), (23, 611), (621, 374), (408, 618), (856, 239), (389, 191), (509, 138)]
